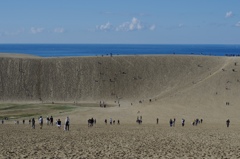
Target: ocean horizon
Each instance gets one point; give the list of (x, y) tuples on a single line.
[(61, 50)]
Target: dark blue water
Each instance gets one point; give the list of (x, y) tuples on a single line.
[(50, 50)]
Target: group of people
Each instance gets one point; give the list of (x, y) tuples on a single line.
[(172, 122), (111, 121), (197, 121), (49, 121), (194, 123), (91, 122), (102, 104)]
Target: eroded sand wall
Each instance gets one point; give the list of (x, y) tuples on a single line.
[(100, 78)]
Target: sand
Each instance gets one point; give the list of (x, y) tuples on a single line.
[(16, 55), (120, 141), (179, 87)]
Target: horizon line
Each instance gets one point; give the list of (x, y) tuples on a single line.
[(114, 44)]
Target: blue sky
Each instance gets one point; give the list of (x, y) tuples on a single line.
[(120, 22)]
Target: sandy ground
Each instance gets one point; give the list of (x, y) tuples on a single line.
[(179, 87), (12, 55), (120, 141)]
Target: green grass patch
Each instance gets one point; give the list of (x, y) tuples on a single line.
[(15, 110)]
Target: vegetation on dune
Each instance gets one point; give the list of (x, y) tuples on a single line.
[(14, 110)]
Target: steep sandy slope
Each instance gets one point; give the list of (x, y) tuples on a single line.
[(179, 86), (206, 97), (130, 78)]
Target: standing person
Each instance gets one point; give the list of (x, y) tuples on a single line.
[(29, 121), (111, 121), (41, 122), (59, 123), (183, 122), (228, 122), (106, 121), (171, 122), (196, 122), (157, 120), (33, 123), (92, 122), (23, 121), (2, 121), (67, 122), (51, 120), (47, 120), (174, 120)]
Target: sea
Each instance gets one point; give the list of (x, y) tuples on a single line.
[(61, 50)]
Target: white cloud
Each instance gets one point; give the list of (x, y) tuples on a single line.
[(36, 30), (105, 27), (238, 24), (59, 30), (12, 33), (123, 27), (228, 14), (152, 27), (135, 24)]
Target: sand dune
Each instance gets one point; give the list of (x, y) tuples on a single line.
[(12, 55), (94, 78), (179, 87)]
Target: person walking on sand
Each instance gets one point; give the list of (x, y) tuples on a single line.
[(51, 120), (157, 120), (106, 121), (59, 123), (174, 120), (33, 123), (110, 121), (171, 122), (183, 122), (41, 122), (67, 122), (47, 120), (228, 122)]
